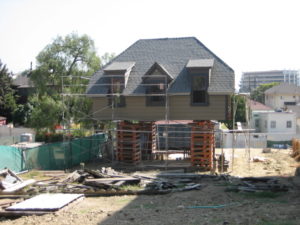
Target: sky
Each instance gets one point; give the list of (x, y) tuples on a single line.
[(249, 35)]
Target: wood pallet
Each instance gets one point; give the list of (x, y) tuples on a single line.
[(129, 147), (202, 144), (296, 149)]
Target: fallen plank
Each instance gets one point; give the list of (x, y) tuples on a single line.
[(19, 186), (73, 177), (258, 179), (96, 174), (186, 175), (113, 179)]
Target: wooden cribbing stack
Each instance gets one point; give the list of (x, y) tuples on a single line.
[(296, 149), (133, 141), (202, 144)]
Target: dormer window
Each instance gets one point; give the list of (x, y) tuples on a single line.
[(117, 75), (156, 81), (199, 95), (199, 71)]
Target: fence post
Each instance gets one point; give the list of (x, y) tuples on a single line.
[(91, 144), (71, 153)]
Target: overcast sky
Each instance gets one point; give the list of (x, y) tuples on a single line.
[(248, 35)]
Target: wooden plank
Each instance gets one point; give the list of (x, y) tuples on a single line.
[(186, 175), (114, 179), (19, 186)]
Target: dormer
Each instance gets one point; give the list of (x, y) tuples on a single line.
[(119, 71), (199, 71), (156, 81), (117, 74)]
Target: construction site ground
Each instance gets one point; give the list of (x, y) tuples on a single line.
[(212, 204)]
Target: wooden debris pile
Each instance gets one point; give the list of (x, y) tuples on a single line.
[(258, 184), (107, 181), (10, 182)]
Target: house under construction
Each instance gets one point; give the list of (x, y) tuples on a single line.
[(163, 94)]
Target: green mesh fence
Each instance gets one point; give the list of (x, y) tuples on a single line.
[(63, 155), (11, 157), (55, 156)]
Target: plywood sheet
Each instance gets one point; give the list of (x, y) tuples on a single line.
[(45, 202)]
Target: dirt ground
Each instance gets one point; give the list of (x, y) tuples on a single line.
[(215, 205)]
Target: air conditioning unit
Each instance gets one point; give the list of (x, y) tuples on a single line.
[(26, 137)]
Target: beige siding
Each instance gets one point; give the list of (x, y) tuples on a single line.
[(180, 109)]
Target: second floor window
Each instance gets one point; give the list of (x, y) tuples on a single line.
[(199, 94), (115, 97), (155, 95)]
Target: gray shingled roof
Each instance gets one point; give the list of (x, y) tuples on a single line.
[(173, 54), (119, 66), (22, 81), (284, 88), (200, 63)]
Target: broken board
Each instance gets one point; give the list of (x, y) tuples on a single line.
[(45, 202)]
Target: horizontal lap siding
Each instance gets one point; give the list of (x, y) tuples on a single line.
[(180, 109)]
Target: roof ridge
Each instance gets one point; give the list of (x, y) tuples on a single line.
[(166, 38)]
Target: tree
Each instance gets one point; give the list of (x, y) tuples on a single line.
[(106, 58), (258, 94), (7, 94), (240, 108), (64, 59), (63, 67), (46, 112)]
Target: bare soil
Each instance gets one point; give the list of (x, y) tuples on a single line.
[(218, 206)]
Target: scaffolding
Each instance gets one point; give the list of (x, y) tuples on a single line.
[(132, 142)]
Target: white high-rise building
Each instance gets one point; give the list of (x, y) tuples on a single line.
[(251, 80)]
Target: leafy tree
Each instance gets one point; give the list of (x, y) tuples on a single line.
[(258, 94), (46, 113), (64, 66), (238, 109), (62, 60), (7, 94), (106, 58), (22, 113)]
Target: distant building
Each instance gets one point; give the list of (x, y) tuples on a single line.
[(295, 109), (282, 96), (23, 86), (256, 108), (251, 80), (278, 122)]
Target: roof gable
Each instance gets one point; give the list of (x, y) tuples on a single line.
[(157, 69), (284, 88), (257, 106)]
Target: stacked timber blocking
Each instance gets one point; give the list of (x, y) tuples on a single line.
[(202, 144), (134, 141)]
